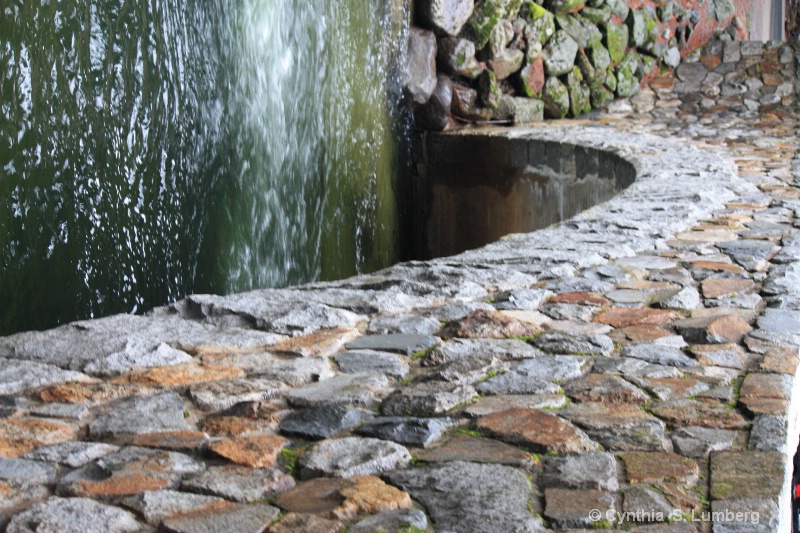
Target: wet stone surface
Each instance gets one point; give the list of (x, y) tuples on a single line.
[(640, 357)]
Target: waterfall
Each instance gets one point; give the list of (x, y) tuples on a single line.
[(154, 148)]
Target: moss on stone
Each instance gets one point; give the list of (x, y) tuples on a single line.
[(616, 41)]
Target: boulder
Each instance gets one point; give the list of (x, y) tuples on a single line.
[(456, 56), (420, 73), (435, 114), (559, 54), (556, 98), (540, 25), (445, 17), (465, 104)]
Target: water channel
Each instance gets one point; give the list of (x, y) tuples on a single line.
[(155, 148)]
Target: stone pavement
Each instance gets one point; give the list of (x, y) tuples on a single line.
[(631, 369)]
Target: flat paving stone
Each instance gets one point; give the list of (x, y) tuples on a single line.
[(404, 325), (427, 399), (659, 467), (476, 450), (73, 454), (61, 410), (21, 435), (399, 343), (406, 430), (355, 361), (605, 388), (619, 426), (781, 323), (672, 388), (220, 395), (352, 456), (298, 372), (744, 475), (659, 354), (186, 440), (684, 413), (718, 288), (322, 422), (73, 515), (253, 518), (16, 469), (504, 349), (469, 370), (322, 343), (516, 383), (254, 451), (620, 317), (488, 325), (591, 470), (178, 375), (523, 299), (17, 494), (750, 254), (502, 402), (727, 355), (714, 329), (455, 496), (344, 498), (568, 509), (147, 414), (345, 389), (535, 430), (18, 376), (156, 506), (392, 522), (565, 343), (239, 483), (305, 523)]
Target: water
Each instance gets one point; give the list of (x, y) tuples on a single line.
[(154, 148)]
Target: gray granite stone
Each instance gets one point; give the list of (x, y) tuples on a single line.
[(565, 343), (698, 441), (353, 362), (516, 383), (468, 370), (406, 430), (427, 399), (456, 497), (238, 483), (18, 494), (124, 361), (73, 515), (61, 410), (322, 422), (220, 395), (745, 515), (592, 470), (769, 433), (16, 469), (552, 367), (505, 349), (781, 324), (400, 343), (648, 503), (456, 310), (392, 522), (685, 298), (156, 506), (74, 454), (346, 389), (523, 299), (299, 372), (18, 376), (658, 354), (619, 427), (253, 518), (751, 254), (404, 324), (147, 414), (352, 456)]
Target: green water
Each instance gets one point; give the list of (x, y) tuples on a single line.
[(154, 148)]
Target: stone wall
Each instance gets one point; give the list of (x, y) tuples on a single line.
[(517, 61)]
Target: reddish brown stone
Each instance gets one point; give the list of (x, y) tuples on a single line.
[(673, 388), (343, 498), (713, 266), (766, 406), (717, 288), (640, 333), (710, 62), (486, 324), (179, 375), (659, 467), (713, 329), (321, 343), (580, 298), (747, 475), (780, 360), (533, 78), (725, 355), (147, 474), (21, 435), (605, 388), (172, 440), (620, 317), (230, 426), (540, 432), (477, 450), (90, 393), (682, 413), (306, 523), (255, 451), (568, 509)]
